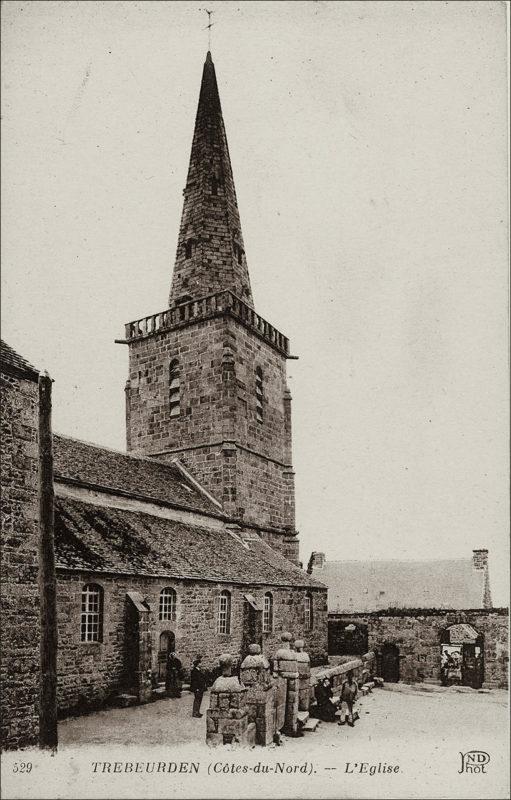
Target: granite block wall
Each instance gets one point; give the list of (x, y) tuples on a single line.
[(417, 634), (90, 673), (19, 595), (245, 463)]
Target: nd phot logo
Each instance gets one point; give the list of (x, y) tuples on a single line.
[(474, 761)]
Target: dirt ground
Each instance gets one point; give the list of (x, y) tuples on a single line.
[(429, 711), (420, 730)]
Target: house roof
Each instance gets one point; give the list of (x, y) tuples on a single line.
[(118, 472), (11, 360), (358, 586), (96, 538)]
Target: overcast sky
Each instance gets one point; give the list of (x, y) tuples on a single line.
[(368, 143)]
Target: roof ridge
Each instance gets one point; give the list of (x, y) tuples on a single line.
[(395, 561)]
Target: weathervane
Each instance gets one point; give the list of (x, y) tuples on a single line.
[(209, 26)]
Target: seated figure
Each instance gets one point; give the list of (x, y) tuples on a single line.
[(325, 707)]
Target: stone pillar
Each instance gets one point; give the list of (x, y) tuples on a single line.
[(286, 667), (227, 716), (304, 675), (138, 641), (256, 676)]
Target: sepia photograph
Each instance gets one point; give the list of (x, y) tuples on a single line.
[(254, 399)]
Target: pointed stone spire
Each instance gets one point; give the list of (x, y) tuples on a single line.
[(210, 252)]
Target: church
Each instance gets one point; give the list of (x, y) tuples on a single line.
[(187, 541)]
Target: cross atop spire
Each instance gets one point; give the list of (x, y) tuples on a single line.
[(210, 252), (209, 26)]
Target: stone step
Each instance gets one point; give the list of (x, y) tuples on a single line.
[(125, 700), (302, 717), (311, 725), (160, 691)]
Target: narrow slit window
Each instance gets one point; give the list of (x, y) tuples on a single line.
[(224, 613), (91, 627), (309, 614), (174, 389), (168, 603), (259, 393), (189, 248), (268, 613), (214, 185)]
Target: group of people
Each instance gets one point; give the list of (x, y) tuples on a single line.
[(327, 705), (200, 679)]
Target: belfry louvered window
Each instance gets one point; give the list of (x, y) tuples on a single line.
[(91, 627), (259, 394), (174, 389), (224, 613)]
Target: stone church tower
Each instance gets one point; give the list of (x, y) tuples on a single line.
[(207, 377)]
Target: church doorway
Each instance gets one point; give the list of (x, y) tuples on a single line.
[(462, 656), (167, 644), (390, 663)]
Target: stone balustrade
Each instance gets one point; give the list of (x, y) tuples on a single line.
[(205, 308)]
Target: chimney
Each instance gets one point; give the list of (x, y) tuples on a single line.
[(316, 561), (480, 561)]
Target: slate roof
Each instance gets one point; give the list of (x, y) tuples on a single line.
[(358, 586), (127, 474), (100, 539), (10, 359)]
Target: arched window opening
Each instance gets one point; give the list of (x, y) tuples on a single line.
[(174, 389), (168, 603), (91, 627), (259, 394), (224, 612), (268, 613), (309, 613)]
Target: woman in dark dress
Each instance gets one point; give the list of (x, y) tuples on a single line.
[(174, 676), (326, 708)]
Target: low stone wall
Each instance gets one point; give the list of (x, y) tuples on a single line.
[(337, 674), (417, 634)]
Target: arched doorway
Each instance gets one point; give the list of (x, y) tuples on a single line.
[(390, 663), (462, 656), (167, 644)]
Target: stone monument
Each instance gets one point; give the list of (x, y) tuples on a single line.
[(227, 716)]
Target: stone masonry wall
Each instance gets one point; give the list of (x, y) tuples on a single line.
[(417, 634), (244, 463), (91, 672), (19, 589)]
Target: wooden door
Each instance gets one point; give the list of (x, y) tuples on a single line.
[(471, 666), (167, 643), (390, 663)]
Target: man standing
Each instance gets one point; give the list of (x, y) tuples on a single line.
[(174, 677), (198, 685)]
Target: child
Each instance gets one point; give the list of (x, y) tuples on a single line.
[(349, 693)]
